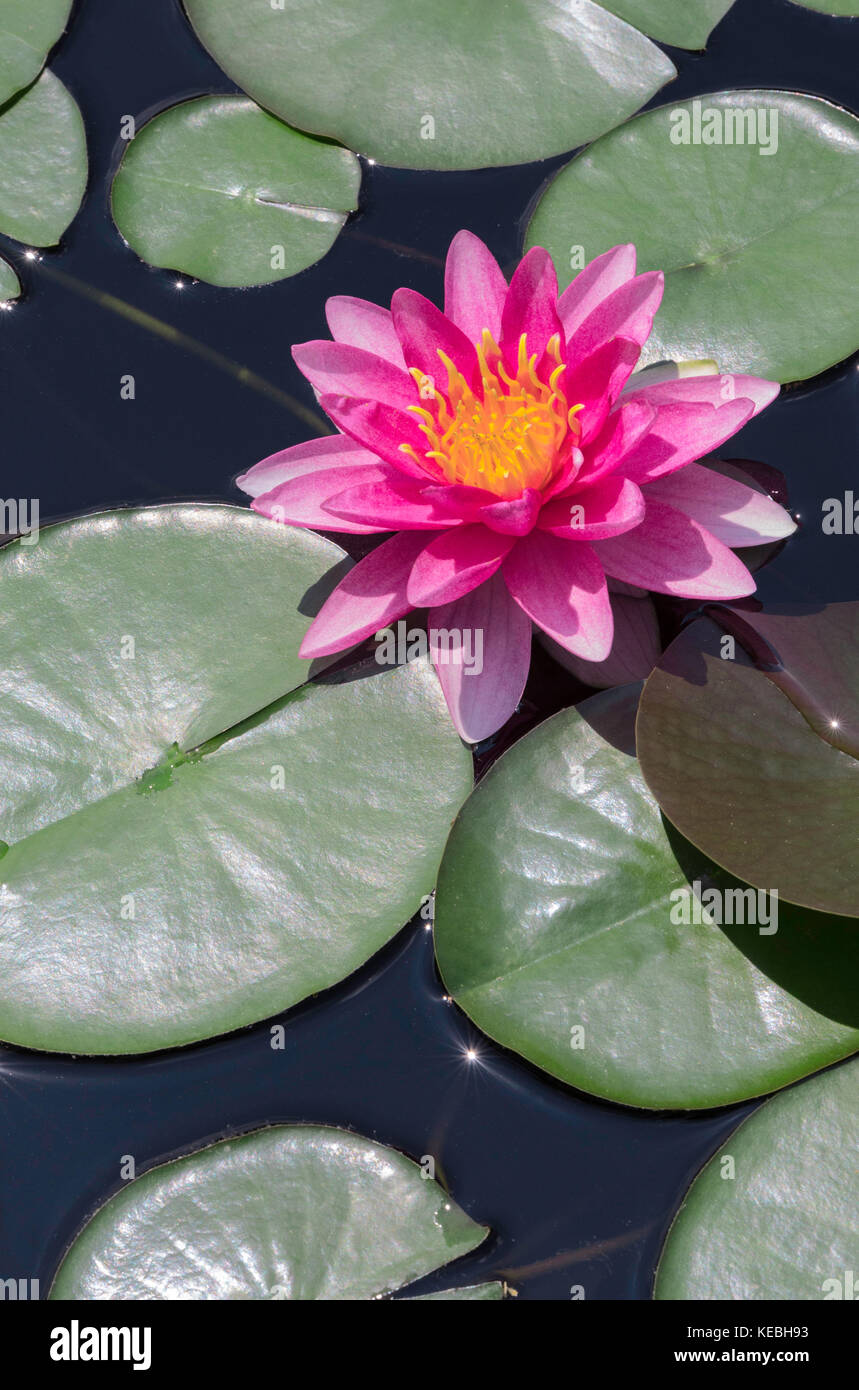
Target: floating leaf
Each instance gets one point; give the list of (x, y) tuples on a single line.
[(221, 190), (28, 31), (473, 1293), (684, 23), (759, 767), (168, 881), (767, 284), (559, 926), (44, 163), (843, 8), (10, 285), (782, 1226), (440, 85), (290, 1212)]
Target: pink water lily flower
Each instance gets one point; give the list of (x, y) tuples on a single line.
[(521, 469)]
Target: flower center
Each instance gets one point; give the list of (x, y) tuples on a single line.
[(510, 437)]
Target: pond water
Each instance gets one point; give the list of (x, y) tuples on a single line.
[(577, 1192)]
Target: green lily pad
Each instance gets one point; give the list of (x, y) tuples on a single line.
[(472, 1293), (221, 190), (438, 85), (779, 1221), (192, 848), (44, 162), (843, 8), (766, 284), (758, 767), (28, 31), (568, 927), (683, 23), (291, 1212), (10, 285)]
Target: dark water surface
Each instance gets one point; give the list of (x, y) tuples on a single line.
[(576, 1191)]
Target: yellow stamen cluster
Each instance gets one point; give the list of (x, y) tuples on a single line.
[(510, 440)]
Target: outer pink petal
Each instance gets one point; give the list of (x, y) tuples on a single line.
[(301, 501), (627, 313), (332, 451), (370, 596), (364, 325), (634, 652), (474, 287), (454, 563), (424, 331), (731, 511), (609, 507), (672, 554), (382, 429), (340, 370), (561, 585), (715, 390), (531, 306), (392, 504), (481, 701), (682, 433), (600, 278)]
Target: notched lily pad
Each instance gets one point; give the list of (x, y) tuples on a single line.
[(291, 1212), (766, 284), (44, 162), (223, 191), (748, 735), (576, 927), (773, 1214), (438, 85), (683, 23), (28, 31), (10, 285), (198, 838)]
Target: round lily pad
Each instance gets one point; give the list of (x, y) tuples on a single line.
[(291, 1212), (10, 285), (846, 8), (198, 839), (44, 162), (773, 1214), (755, 756), (223, 191), (766, 284), (683, 23), (438, 85), (577, 928), (28, 31)]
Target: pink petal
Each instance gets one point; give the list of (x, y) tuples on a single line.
[(531, 307), (500, 632), (635, 651), (474, 287), (332, 451), (671, 554), (424, 332), (561, 585), (515, 516), (731, 511), (597, 382), (364, 325), (392, 504), (682, 433), (710, 389), (600, 278), (340, 370), (383, 430), (609, 507), (454, 563), (301, 501), (624, 430), (372, 595), (627, 313)]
